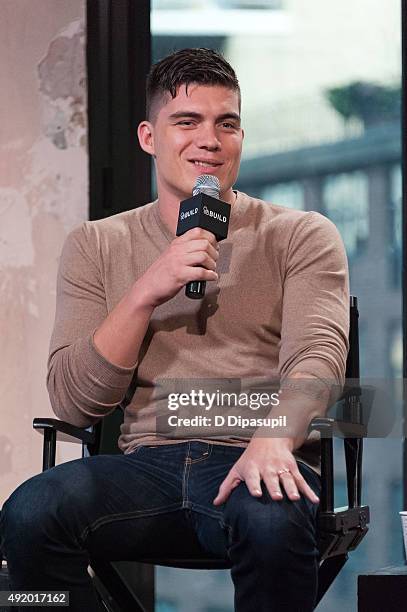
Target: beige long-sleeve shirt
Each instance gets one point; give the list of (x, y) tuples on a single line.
[(280, 306)]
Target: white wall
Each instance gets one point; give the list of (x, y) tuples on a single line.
[(43, 195)]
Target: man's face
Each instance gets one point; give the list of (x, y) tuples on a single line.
[(196, 134)]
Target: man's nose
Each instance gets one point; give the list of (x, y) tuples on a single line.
[(208, 138)]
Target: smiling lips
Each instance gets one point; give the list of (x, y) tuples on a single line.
[(211, 165)]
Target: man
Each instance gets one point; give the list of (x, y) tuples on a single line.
[(276, 306)]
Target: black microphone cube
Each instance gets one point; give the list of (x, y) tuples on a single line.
[(205, 212)]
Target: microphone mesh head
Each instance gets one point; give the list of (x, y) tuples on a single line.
[(209, 184)]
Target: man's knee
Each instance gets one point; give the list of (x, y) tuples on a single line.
[(274, 531), (45, 501), (27, 510)]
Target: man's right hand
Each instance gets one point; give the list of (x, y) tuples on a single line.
[(189, 257)]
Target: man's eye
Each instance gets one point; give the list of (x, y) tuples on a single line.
[(228, 125), (184, 122)]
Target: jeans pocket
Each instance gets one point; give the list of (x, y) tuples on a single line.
[(136, 450)]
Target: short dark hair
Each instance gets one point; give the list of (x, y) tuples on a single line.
[(203, 66)]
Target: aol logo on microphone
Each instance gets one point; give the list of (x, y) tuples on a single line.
[(188, 213), (214, 215)]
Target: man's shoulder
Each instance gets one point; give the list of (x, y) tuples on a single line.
[(287, 230), (109, 237), (115, 228), (122, 221), (278, 215)]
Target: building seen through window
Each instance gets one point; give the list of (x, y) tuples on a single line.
[(346, 202), (321, 113)]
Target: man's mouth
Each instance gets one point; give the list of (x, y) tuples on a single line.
[(205, 164)]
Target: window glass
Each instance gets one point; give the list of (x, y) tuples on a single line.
[(321, 113), (396, 225), (165, 606), (346, 202), (284, 194)]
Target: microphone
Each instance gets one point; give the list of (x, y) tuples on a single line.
[(207, 211)]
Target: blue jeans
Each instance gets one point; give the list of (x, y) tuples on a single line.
[(156, 502)]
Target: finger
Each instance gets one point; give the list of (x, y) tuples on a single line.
[(202, 245), (231, 481), (304, 487), (200, 258), (197, 233), (198, 273), (253, 483), (288, 482), (272, 483)]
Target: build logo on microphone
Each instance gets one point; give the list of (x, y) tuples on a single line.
[(214, 215), (188, 213)]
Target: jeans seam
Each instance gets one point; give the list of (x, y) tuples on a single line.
[(213, 514), (207, 511), (229, 529), (111, 518), (204, 458), (187, 462), (230, 535)]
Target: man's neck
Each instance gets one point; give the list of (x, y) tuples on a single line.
[(168, 206)]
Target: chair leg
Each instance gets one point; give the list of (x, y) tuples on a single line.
[(328, 571), (353, 457), (116, 586), (106, 601)]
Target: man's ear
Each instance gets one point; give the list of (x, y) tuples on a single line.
[(145, 133)]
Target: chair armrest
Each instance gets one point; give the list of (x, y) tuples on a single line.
[(328, 427), (49, 428), (87, 437)]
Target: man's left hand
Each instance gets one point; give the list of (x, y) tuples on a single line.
[(270, 460)]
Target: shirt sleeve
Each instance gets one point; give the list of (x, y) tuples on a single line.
[(315, 321), (83, 386)]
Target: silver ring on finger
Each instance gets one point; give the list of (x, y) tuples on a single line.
[(284, 471)]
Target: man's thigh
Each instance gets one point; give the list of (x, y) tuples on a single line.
[(117, 507)]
